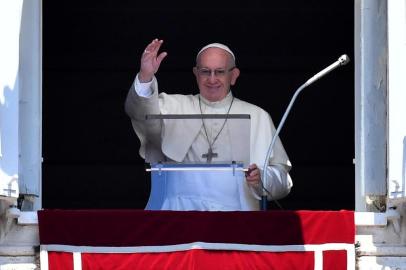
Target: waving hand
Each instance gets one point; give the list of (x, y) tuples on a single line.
[(151, 60)]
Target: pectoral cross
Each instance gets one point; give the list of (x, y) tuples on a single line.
[(209, 155)]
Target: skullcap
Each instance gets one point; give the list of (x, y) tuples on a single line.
[(216, 45)]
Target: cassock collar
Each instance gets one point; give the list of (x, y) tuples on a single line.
[(225, 102)]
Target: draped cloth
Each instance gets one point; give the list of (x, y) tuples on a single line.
[(137, 239)]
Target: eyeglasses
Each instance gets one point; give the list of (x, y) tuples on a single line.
[(205, 72)]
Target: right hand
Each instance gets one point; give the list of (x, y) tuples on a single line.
[(253, 176), (150, 61)]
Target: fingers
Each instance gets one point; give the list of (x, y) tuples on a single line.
[(251, 168), (150, 53), (153, 47), (150, 60), (253, 176), (160, 57)]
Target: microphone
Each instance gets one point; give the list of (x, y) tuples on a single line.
[(343, 60)]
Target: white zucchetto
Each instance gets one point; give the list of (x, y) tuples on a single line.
[(216, 45)]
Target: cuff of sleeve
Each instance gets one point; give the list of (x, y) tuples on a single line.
[(143, 89)]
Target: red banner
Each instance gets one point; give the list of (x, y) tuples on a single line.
[(136, 239)]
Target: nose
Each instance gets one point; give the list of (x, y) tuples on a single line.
[(212, 77)]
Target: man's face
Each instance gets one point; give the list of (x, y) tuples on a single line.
[(215, 72)]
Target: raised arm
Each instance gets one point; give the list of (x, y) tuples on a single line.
[(138, 105)]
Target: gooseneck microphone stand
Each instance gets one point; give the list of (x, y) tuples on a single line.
[(266, 189)]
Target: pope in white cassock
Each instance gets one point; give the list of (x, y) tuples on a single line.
[(215, 73)]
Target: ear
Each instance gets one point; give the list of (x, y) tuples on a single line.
[(234, 75)]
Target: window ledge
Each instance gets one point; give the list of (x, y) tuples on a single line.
[(28, 218), (376, 219)]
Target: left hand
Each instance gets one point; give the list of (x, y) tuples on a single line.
[(253, 176)]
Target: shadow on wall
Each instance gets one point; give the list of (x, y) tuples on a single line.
[(9, 142)]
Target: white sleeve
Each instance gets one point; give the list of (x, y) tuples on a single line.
[(279, 183), (143, 89)]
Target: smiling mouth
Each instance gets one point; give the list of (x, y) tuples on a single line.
[(213, 87)]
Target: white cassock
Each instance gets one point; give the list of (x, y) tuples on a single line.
[(186, 141)]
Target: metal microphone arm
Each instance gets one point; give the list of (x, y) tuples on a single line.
[(343, 60)]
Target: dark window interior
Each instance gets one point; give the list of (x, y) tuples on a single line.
[(91, 52)]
